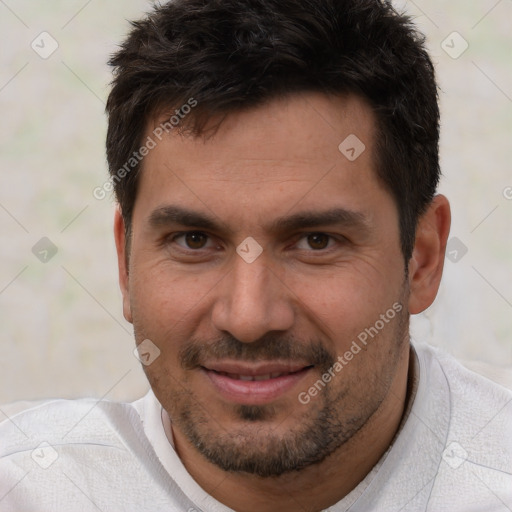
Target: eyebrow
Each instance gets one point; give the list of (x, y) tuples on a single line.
[(331, 217), (168, 215)]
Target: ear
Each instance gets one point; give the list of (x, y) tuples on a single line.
[(122, 262), (427, 261)]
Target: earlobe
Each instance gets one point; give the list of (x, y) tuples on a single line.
[(122, 262), (427, 261)]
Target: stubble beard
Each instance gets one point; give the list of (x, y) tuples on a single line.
[(257, 446)]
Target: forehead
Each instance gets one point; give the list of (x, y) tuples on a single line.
[(307, 148), (296, 125)]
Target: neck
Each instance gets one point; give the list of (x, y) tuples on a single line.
[(313, 488)]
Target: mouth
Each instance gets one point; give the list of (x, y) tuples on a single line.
[(254, 384), (250, 378)]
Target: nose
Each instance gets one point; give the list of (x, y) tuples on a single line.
[(252, 301)]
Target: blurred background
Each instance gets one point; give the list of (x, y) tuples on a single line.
[(62, 329)]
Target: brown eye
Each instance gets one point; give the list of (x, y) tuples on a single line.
[(195, 240), (318, 241)]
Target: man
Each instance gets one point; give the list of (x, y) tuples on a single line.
[(275, 164)]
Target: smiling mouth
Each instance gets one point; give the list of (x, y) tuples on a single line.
[(261, 377), (243, 384)]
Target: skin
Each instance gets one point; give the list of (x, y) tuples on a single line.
[(269, 163)]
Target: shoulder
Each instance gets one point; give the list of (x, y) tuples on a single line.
[(476, 458), (475, 401), (72, 421), (464, 383), (68, 430), (50, 450)]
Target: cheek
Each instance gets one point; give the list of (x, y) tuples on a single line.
[(346, 303), (166, 303)]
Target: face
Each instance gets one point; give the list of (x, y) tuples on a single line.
[(265, 265)]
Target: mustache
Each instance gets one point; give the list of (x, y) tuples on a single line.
[(270, 347)]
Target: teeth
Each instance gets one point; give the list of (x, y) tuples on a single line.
[(267, 376), (257, 377), (262, 377)]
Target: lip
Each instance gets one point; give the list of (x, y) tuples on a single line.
[(254, 392)]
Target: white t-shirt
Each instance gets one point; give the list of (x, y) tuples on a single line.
[(453, 453)]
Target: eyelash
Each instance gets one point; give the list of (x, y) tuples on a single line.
[(331, 239), (175, 236)]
